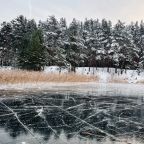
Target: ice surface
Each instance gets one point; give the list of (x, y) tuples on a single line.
[(59, 118), (92, 88)]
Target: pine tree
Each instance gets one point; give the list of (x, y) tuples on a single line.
[(92, 42), (63, 43), (51, 30), (19, 30), (74, 54), (123, 44), (6, 52), (32, 56), (106, 43), (137, 50), (141, 46)]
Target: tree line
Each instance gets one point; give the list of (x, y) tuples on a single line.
[(93, 43)]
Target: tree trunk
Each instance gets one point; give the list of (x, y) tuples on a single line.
[(115, 70)]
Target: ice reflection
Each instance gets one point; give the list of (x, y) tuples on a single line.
[(70, 118)]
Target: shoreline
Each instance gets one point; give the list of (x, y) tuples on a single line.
[(82, 75)]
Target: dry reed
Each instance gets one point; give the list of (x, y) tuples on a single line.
[(19, 76), (140, 82)]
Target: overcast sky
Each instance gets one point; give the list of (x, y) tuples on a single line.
[(125, 10)]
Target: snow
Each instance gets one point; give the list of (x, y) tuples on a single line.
[(51, 33), (40, 112), (6, 68), (132, 76), (55, 69)]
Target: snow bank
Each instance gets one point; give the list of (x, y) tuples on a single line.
[(132, 76)]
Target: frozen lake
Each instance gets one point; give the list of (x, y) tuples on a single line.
[(97, 116)]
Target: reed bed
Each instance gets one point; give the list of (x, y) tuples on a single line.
[(19, 76)]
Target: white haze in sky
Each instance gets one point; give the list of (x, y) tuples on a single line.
[(125, 10)]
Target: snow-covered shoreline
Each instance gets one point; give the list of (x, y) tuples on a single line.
[(104, 86), (104, 75)]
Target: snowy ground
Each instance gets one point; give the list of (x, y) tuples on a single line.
[(131, 76)]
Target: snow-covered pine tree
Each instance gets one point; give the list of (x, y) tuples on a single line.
[(19, 30), (117, 43), (122, 45), (92, 44), (95, 42), (106, 43), (24, 50), (137, 50), (86, 38), (83, 48), (62, 43), (6, 52), (51, 30), (141, 45), (35, 52), (74, 50), (27, 44)]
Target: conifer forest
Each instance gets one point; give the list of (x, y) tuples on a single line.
[(31, 45)]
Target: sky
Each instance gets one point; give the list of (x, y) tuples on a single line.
[(125, 10)]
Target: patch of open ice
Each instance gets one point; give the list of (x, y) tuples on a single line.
[(93, 88)]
